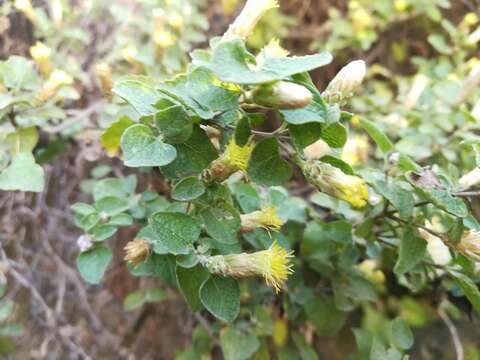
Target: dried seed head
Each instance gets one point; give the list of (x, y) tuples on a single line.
[(137, 251)]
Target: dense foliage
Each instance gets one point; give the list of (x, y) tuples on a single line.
[(278, 210)]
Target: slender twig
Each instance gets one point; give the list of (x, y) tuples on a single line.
[(453, 332)]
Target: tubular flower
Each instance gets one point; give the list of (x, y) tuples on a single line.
[(272, 264), (56, 80), (244, 24), (470, 244), (266, 218), (41, 54), (234, 158), (344, 84), (336, 183), (137, 251), (281, 95)]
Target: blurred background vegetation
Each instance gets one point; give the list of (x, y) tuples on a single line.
[(421, 88)]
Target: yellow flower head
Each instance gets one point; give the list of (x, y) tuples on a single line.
[(234, 158), (55, 81), (336, 183), (164, 39), (273, 265), (266, 218), (137, 251), (41, 54), (238, 156)]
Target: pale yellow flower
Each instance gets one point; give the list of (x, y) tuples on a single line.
[(273, 265), (336, 183), (234, 158), (266, 218)]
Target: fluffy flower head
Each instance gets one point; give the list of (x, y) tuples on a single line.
[(137, 251), (273, 265)]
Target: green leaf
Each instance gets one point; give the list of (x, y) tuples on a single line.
[(175, 124), (230, 62), (237, 345), (382, 141), (338, 163), (470, 289), (162, 266), (140, 297), (266, 167), (6, 310), (198, 92), (103, 231), (18, 73), (110, 138), (93, 263), (321, 311), (139, 92), (174, 231), (315, 112), (22, 174), (305, 134), (192, 156), (23, 140), (411, 251), (442, 199), (242, 131), (141, 148), (222, 222), (190, 281), (400, 334), (188, 189), (221, 297), (111, 205), (401, 198), (335, 135)]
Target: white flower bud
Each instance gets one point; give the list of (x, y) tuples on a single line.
[(436, 248), (470, 179), (244, 24), (281, 95), (344, 84)]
